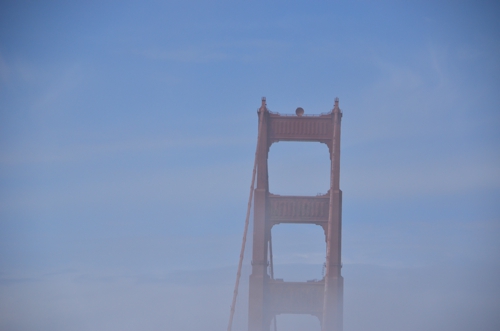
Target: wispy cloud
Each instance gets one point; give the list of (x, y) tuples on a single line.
[(168, 188), (41, 154), (4, 70), (245, 51), (59, 89), (426, 177), (191, 54)]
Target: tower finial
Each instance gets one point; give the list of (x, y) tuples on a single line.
[(336, 106), (263, 105)]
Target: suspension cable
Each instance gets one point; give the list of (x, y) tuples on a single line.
[(247, 219)]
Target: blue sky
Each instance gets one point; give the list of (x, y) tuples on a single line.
[(127, 133)]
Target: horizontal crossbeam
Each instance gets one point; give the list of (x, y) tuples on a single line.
[(295, 128), (295, 297), (298, 209)]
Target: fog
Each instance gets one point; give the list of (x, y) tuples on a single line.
[(376, 298), (127, 136)]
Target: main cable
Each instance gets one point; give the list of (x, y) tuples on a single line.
[(247, 220)]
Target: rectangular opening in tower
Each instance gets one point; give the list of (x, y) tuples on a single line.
[(299, 252), (299, 168)]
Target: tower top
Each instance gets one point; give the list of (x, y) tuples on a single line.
[(263, 104)]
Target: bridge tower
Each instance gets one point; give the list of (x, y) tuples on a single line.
[(269, 297)]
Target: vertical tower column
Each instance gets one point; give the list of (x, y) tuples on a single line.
[(256, 308), (334, 282)]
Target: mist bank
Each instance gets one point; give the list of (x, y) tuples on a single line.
[(440, 297)]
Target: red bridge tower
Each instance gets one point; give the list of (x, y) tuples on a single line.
[(269, 297)]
